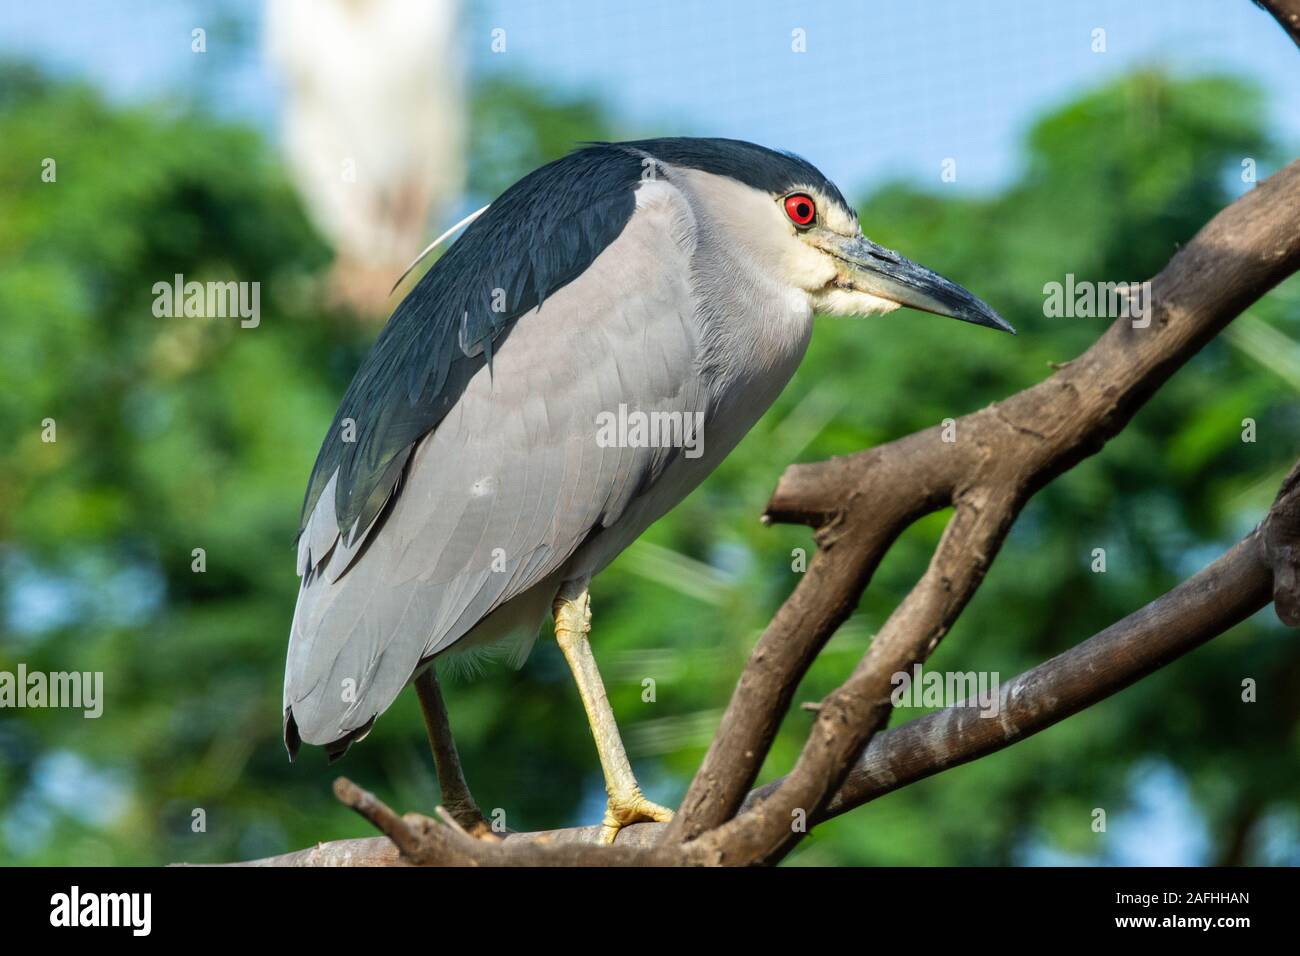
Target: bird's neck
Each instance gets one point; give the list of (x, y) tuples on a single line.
[(753, 330)]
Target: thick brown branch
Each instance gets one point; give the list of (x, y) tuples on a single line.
[(422, 841), (415, 842), (1206, 605)]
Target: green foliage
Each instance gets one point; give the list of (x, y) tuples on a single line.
[(176, 434), (518, 126)]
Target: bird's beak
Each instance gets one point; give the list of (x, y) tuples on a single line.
[(881, 272)]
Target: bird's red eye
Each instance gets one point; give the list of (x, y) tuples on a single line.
[(800, 208)]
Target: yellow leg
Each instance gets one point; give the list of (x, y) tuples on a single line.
[(627, 804)]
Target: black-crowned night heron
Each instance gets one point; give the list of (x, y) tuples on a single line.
[(588, 350)]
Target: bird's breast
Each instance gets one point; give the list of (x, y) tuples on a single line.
[(742, 367)]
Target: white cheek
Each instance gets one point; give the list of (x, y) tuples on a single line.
[(806, 268), (833, 301)]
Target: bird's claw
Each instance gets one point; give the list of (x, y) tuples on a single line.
[(625, 809)]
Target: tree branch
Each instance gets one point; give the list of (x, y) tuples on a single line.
[(1002, 455), (1206, 605), (1286, 13)]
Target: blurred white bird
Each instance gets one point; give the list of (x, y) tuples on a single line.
[(374, 128)]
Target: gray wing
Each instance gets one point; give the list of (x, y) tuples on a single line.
[(506, 488)]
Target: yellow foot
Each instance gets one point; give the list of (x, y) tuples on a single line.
[(625, 809)]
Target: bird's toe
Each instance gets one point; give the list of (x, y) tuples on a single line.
[(626, 809)]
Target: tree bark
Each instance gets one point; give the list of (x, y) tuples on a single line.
[(1286, 13)]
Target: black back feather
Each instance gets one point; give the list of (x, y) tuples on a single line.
[(539, 235)]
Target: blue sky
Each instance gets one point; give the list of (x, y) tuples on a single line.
[(886, 88)]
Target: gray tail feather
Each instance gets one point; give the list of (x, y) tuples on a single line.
[(334, 749)]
